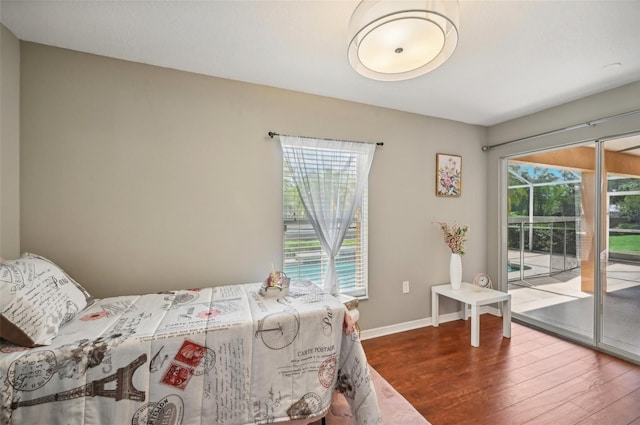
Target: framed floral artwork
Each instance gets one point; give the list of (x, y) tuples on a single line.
[(448, 175)]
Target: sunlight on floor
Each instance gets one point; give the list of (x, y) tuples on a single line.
[(539, 288)]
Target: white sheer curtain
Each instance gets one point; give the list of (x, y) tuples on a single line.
[(330, 176)]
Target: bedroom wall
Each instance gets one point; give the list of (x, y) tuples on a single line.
[(139, 179), (9, 144), (612, 102)]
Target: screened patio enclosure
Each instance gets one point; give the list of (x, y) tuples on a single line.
[(544, 220), (545, 234)]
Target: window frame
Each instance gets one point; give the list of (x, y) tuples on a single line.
[(360, 286)]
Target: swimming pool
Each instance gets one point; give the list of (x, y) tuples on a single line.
[(511, 267), (314, 271)]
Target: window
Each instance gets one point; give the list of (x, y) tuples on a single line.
[(303, 257)]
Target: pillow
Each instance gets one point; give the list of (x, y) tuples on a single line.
[(36, 299)]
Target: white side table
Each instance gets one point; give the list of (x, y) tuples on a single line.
[(476, 298)]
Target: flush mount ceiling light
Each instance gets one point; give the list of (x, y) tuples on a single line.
[(392, 40)]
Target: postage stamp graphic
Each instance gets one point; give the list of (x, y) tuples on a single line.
[(177, 376), (191, 353)]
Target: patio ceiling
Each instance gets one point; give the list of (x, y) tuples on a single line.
[(620, 159)]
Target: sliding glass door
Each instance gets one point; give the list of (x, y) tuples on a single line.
[(551, 239), (573, 242), (620, 290)]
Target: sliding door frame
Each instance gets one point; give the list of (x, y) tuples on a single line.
[(601, 245), (595, 341)]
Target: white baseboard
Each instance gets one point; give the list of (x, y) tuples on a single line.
[(420, 323)]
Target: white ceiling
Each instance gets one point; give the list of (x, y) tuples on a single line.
[(513, 57)]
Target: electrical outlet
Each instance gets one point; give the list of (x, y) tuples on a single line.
[(405, 287)]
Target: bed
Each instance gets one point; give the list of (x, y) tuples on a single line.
[(219, 355)]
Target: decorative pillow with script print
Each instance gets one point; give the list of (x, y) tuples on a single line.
[(36, 298)]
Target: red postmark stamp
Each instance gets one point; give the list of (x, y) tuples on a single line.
[(95, 316), (208, 314), (177, 376), (191, 353), (327, 371)]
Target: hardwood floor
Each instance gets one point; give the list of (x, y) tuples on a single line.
[(532, 378)]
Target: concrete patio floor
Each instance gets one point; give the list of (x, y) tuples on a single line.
[(539, 289)]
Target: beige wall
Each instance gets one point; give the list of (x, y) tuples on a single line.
[(138, 178), (609, 103), (9, 144)]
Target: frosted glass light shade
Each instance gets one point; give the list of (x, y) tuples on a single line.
[(392, 40)]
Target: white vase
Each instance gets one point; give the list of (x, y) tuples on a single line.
[(455, 271)]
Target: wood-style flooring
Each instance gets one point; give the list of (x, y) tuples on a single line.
[(531, 378)]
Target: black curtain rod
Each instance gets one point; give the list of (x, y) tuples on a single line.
[(272, 134)]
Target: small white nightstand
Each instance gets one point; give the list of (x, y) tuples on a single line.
[(468, 294)]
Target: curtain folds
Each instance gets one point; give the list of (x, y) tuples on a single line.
[(330, 176)]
